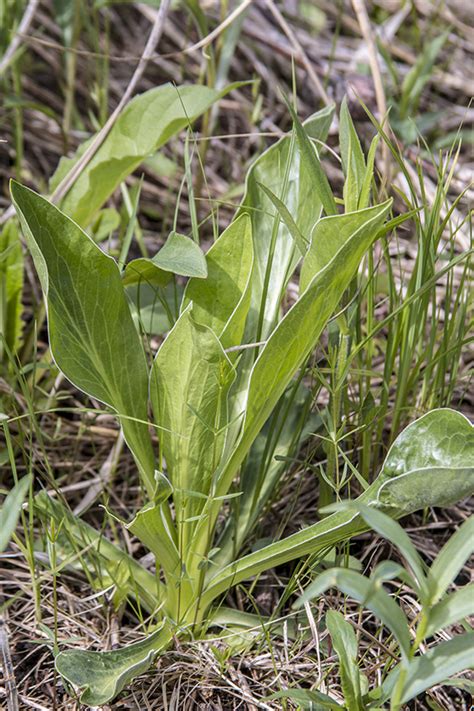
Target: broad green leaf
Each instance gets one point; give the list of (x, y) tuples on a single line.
[(309, 156), (353, 161), (345, 643), (222, 300), (451, 559), (91, 332), (145, 124), (11, 287), (396, 478), (437, 665), (455, 607), (87, 541), (181, 255), (332, 233), (309, 700), (100, 676), (361, 589), (283, 172), (436, 454), (189, 382), (10, 510)]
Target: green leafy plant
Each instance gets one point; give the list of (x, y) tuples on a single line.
[(417, 671), (226, 366)]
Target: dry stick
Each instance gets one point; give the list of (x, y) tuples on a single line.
[(300, 51), (366, 30), (23, 28)]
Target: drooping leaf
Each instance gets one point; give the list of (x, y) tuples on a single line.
[(10, 510), (222, 300), (145, 124), (100, 676), (11, 287), (375, 599), (345, 643), (393, 532), (91, 332)]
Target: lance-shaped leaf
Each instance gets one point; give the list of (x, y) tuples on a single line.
[(189, 382), (145, 124), (222, 300), (100, 676), (399, 477), (282, 170), (91, 332)]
